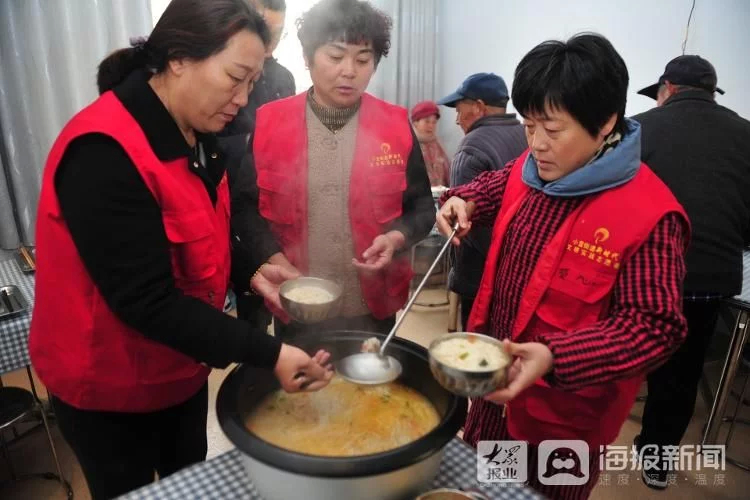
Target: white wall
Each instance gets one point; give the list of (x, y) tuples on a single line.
[(493, 35)]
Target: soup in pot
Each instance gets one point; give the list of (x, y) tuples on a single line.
[(344, 419)]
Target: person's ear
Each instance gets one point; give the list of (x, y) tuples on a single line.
[(178, 66), (671, 88), (609, 126)]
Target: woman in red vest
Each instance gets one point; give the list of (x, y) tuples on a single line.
[(338, 174), (584, 273), (133, 252)]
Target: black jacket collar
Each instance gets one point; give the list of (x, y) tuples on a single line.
[(161, 130)]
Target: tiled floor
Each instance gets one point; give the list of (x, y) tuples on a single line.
[(31, 454)]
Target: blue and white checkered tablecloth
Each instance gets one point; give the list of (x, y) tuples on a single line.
[(14, 330), (224, 477)]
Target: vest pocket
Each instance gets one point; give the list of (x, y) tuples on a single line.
[(276, 201), (567, 307), (191, 237), (581, 410), (387, 195)]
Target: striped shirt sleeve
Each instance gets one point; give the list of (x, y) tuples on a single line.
[(486, 190)]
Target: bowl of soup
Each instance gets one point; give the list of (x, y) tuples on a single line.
[(345, 441), (310, 300), (469, 364)]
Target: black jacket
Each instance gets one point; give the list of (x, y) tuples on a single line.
[(116, 225), (701, 150), (490, 143), (276, 82)]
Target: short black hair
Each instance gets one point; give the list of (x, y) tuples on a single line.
[(349, 21), (584, 76), (275, 5)]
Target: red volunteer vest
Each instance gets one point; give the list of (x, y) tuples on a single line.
[(571, 287), (376, 189), (82, 352)]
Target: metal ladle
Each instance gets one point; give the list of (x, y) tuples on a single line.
[(369, 368)]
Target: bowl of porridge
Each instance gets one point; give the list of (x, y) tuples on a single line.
[(310, 300), (469, 364)]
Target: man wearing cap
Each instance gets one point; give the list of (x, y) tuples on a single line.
[(493, 138), (424, 118), (701, 150)]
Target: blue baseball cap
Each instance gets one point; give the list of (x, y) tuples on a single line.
[(487, 87)]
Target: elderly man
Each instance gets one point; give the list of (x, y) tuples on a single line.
[(701, 151), (493, 138)]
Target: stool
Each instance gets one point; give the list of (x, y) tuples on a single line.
[(15, 405)]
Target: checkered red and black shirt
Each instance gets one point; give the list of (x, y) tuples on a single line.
[(645, 325)]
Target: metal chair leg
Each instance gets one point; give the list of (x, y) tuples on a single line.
[(51, 441), (739, 336), (734, 420), (40, 406)]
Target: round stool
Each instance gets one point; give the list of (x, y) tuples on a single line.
[(16, 404)]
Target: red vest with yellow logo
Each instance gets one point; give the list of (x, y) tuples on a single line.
[(571, 287), (82, 352), (376, 189)]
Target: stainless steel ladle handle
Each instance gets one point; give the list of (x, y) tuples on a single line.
[(419, 289)]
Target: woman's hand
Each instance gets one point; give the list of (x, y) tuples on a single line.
[(296, 371), (279, 259), (531, 361), (455, 209), (266, 283), (380, 253)]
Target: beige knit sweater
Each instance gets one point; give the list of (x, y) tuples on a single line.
[(331, 247)]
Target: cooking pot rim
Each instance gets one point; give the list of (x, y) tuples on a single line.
[(232, 424)]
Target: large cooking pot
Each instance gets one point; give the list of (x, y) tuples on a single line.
[(280, 474)]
